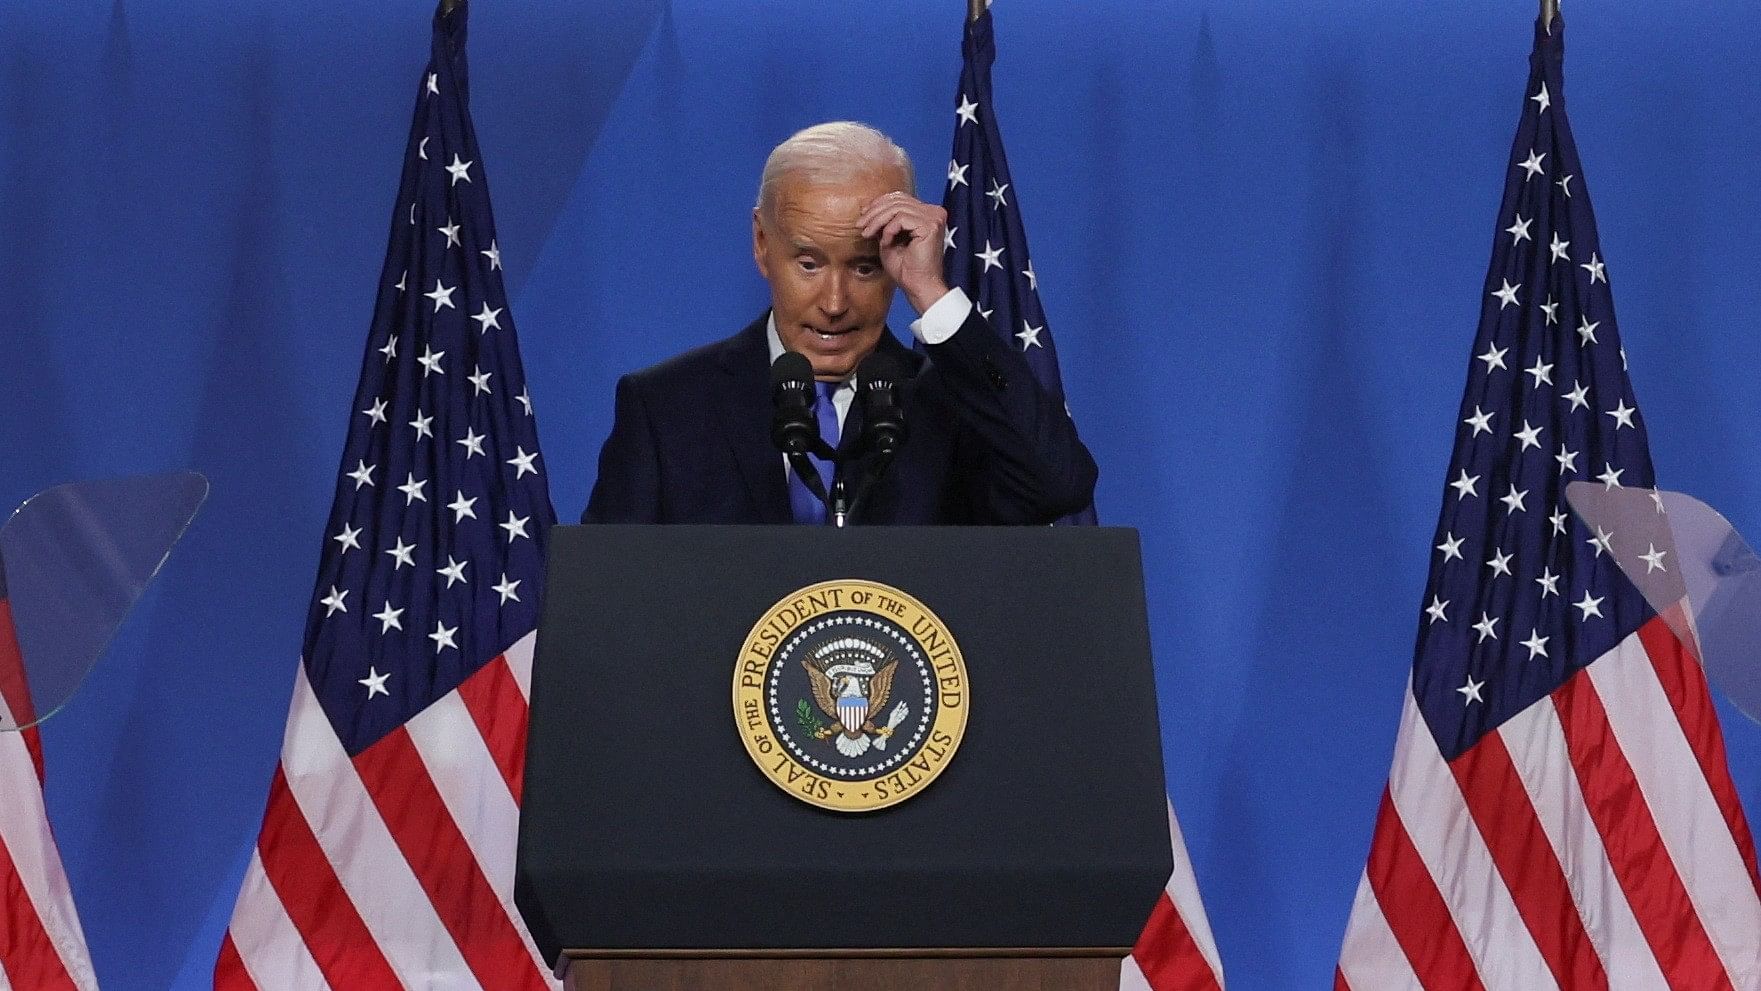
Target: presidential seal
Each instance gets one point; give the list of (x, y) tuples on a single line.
[(850, 695)]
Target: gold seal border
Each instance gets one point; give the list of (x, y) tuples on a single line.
[(772, 756)]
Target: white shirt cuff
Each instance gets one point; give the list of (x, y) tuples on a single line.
[(943, 318)]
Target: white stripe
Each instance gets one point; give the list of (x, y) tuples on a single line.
[(471, 787), (24, 829), (1675, 788), (1536, 742), (360, 848), (1131, 976), (1182, 890), (1449, 844), (1371, 958), (519, 658), (273, 952)]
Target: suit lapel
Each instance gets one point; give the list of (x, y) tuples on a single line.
[(744, 405)]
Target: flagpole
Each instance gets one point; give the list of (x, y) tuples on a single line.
[(1549, 10), (975, 9)]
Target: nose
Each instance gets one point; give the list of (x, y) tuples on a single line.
[(834, 302)]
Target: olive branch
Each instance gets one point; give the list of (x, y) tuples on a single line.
[(807, 720)]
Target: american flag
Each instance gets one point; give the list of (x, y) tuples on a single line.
[(986, 255), (1559, 812), (985, 251), (386, 857), (41, 942)]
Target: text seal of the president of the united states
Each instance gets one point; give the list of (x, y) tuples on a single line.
[(850, 695)]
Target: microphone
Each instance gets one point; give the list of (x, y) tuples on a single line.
[(877, 388), (793, 427)]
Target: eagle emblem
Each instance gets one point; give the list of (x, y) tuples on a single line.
[(851, 679)]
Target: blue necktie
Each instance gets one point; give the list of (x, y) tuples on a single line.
[(806, 506)]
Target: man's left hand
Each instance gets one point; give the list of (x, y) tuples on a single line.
[(911, 234)]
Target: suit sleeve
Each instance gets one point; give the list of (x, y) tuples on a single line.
[(1023, 461), (628, 487)]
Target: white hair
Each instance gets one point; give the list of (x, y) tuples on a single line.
[(830, 153)]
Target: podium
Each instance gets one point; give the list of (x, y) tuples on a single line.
[(664, 843)]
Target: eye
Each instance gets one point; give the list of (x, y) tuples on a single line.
[(867, 269), (807, 264)]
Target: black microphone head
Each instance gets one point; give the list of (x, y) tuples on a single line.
[(793, 428), (877, 387), (791, 367), (877, 370)]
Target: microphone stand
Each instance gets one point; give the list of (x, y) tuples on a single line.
[(866, 486)]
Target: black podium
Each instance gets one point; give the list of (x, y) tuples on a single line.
[(654, 852)]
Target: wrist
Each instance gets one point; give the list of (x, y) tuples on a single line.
[(923, 297)]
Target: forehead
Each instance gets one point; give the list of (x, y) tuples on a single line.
[(830, 210)]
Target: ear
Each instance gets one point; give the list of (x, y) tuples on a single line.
[(758, 245)]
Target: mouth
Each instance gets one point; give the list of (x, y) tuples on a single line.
[(828, 335)]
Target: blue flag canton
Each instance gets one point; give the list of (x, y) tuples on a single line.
[(433, 556), (985, 249), (1521, 593)]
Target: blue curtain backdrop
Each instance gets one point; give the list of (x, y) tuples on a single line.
[(1260, 230)]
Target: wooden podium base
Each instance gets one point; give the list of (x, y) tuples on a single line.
[(1035, 969)]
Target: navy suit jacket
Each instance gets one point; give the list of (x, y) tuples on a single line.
[(690, 441)]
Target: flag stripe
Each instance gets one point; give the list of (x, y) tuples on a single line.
[(498, 710), (1527, 863), (1422, 926), (1683, 681), (1536, 743), (229, 970), (357, 848), (314, 898), (1676, 810), (28, 957), (36, 898), (14, 685), (1167, 955), (1372, 957), (262, 948), (1182, 889), (1629, 833), (443, 863), (1441, 829), (467, 781), (519, 661)]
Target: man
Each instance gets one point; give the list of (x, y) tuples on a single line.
[(835, 231)]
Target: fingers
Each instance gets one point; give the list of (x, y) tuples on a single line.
[(914, 214), (910, 216)]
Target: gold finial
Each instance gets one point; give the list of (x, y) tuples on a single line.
[(976, 8)]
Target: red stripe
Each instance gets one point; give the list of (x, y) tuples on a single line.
[(27, 954), (1684, 682), (14, 686), (1528, 863), (1635, 849), (315, 900), (1414, 908), (443, 862), (229, 969), (494, 701), (33, 745), (1168, 956)]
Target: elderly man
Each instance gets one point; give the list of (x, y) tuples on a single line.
[(835, 231)]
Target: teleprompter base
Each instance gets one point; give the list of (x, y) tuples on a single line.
[(1036, 969)]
